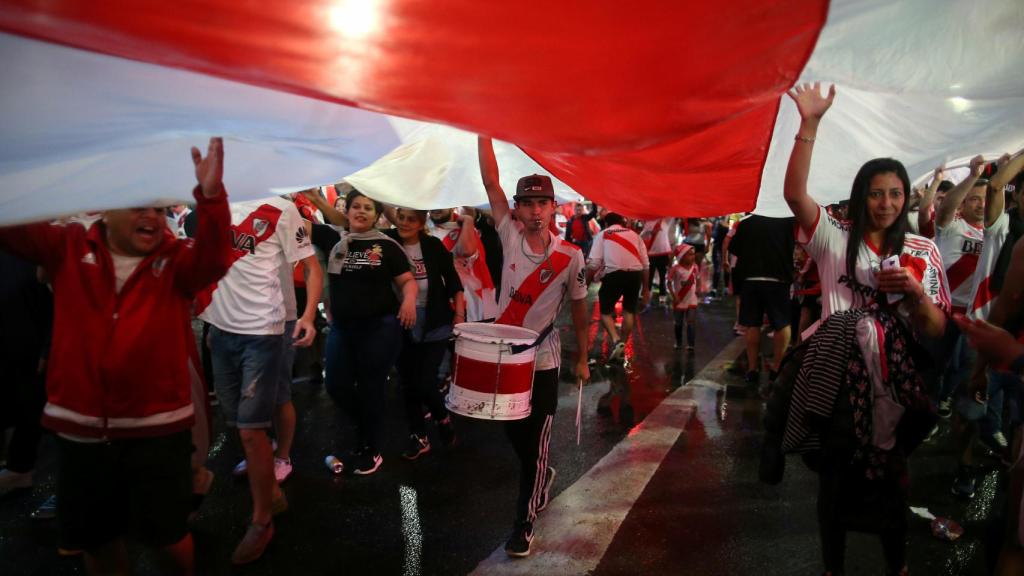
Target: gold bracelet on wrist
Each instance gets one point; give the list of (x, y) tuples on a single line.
[(805, 139)]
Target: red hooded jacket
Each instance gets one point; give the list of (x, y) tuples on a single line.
[(119, 362)]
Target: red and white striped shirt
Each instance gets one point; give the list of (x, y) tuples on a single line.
[(618, 248), (960, 244), (682, 281), (826, 244), (982, 296)]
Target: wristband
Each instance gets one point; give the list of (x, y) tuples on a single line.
[(800, 138)]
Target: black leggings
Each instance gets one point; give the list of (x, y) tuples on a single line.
[(418, 366), (847, 500), (659, 264)]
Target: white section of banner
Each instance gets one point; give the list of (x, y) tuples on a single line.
[(438, 168), (85, 131), (922, 81)]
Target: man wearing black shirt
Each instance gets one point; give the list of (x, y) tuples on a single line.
[(764, 247)]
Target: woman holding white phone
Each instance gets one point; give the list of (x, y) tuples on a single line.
[(862, 468)]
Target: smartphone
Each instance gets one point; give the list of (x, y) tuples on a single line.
[(892, 263)]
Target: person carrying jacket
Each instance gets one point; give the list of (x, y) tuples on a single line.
[(440, 303)]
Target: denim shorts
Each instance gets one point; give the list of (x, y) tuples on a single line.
[(284, 382), (246, 373)]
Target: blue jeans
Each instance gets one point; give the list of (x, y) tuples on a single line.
[(999, 384), (284, 382), (246, 368), (360, 354), (954, 360)]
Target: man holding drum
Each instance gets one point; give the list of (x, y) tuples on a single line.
[(540, 270)]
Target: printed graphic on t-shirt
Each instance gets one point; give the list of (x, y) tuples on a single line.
[(357, 260), (419, 270)]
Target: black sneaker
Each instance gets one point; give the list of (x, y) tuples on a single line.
[(946, 408), (772, 376), (963, 483), (447, 432), (47, 510), (997, 445), (366, 463), (752, 377), (518, 545), (545, 496), (417, 446)]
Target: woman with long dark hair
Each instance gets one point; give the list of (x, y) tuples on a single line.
[(372, 297), (439, 305), (858, 406)]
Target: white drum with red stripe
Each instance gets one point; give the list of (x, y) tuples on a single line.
[(489, 380)]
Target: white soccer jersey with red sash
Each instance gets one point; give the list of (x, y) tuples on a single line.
[(656, 236), (982, 295), (478, 287), (826, 244), (682, 281), (532, 294), (960, 245), (248, 299), (617, 248)]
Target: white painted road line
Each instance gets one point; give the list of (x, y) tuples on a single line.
[(574, 533)]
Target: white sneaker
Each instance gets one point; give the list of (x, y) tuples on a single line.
[(282, 469), (10, 480), (242, 468), (617, 351)]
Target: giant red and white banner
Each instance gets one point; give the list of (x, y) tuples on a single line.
[(649, 107)]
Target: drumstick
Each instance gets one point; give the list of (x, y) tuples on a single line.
[(579, 411)]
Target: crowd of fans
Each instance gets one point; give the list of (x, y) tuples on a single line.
[(886, 312)]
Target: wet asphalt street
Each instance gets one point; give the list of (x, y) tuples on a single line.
[(702, 512)]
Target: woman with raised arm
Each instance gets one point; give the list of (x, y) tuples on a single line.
[(858, 406)]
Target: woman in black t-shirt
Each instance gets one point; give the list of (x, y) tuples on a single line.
[(439, 305), (372, 297)]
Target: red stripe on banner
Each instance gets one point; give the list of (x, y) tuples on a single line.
[(246, 237), (526, 295), (961, 271), (665, 113), (629, 246)]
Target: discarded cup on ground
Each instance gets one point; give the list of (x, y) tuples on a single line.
[(946, 529), (335, 465)]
